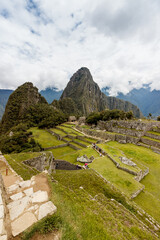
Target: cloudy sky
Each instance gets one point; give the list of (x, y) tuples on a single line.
[(46, 41)]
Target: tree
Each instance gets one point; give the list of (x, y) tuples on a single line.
[(158, 118)]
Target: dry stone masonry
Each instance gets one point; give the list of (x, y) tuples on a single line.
[(26, 206), (3, 233)]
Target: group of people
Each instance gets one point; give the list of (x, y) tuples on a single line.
[(99, 150)]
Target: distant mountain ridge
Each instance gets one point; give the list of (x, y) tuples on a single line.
[(4, 95), (148, 101)]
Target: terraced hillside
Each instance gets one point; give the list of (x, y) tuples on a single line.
[(113, 199)]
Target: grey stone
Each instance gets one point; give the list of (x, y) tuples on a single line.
[(45, 209), (13, 188), (25, 184), (39, 196), (1, 201), (18, 207), (28, 191), (2, 229), (1, 211), (22, 223), (16, 196), (3, 237)]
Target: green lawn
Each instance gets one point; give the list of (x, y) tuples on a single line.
[(87, 213), (149, 200), (61, 133), (72, 158), (59, 152), (23, 170), (44, 138), (116, 153), (122, 180)]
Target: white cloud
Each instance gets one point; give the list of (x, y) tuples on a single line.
[(45, 42)]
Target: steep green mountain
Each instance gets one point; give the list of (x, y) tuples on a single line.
[(4, 95), (89, 98), (18, 103)]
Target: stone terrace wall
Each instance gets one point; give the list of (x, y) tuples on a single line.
[(3, 218), (150, 142), (42, 162), (151, 135), (64, 165), (132, 124), (100, 134)]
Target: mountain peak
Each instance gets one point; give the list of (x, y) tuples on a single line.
[(19, 101)]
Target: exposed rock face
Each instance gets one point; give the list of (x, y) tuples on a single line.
[(18, 103), (89, 98)]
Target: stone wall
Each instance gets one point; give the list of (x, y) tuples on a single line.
[(151, 135), (58, 146), (150, 142), (42, 162), (97, 134), (130, 124), (73, 146), (3, 211), (81, 144), (135, 194), (141, 175), (64, 165)]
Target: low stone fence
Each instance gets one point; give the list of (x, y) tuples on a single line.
[(130, 139), (61, 130), (151, 135), (73, 146), (82, 138), (156, 150), (3, 211), (135, 194), (150, 142), (54, 134), (81, 144), (141, 175), (58, 146), (64, 165), (98, 149)]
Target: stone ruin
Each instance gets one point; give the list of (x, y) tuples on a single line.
[(127, 161), (42, 162), (85, 159)]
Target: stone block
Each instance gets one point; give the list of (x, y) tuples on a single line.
[(4, 237), (39, 196), (1, 201), (28, 191), (16, 196), (45, 209), (2, 229), (25, 184), (22, 223), (1, 211), (18, 207), (13, 188)]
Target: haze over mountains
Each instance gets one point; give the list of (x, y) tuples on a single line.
[(144, 98)]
